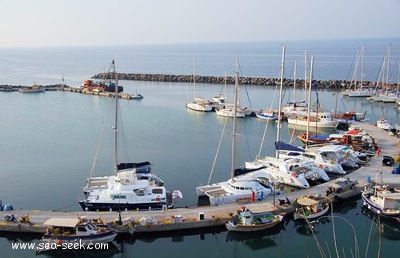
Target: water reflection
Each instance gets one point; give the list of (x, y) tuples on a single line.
[(256, 240), (388, 228)]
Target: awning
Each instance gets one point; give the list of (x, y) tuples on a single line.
[(61, 222)]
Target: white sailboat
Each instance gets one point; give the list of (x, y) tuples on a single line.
[(359, 90), (132, 186), (312, 119), (198, 103), (296, 107), (246, 186)]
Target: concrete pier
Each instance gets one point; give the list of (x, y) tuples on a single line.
[(214, 216)]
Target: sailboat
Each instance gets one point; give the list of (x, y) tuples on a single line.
[(198, 103), (312, 119), (132, 186), (296, 107), (243, 184), (359, 91)]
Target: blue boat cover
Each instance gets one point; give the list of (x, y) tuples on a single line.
[(141, 167), (285, 146), (241, 171), (319, 137)]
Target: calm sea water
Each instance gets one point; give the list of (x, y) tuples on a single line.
[(49, 140)]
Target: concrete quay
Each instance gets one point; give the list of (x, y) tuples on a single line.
[(215, 216)]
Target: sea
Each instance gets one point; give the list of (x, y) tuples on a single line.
[(51, 142)]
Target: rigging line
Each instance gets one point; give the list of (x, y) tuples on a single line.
[(266, 126), (216, 154), (245, 88), (321, 251), (98, 148), (263, 139), (334, 232), (124, 142)]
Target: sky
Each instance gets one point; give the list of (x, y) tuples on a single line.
[(42, 23)]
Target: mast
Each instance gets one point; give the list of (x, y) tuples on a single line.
[(362, 67), (305, 75), (280, 99), (116, 117), (194, 80), (309, 101), (294, 81), (235, 93)]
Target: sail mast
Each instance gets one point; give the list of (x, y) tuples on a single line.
[(235, 93), (116, 118), (280, 98), (305, 75), (294, 81), (309, 101)]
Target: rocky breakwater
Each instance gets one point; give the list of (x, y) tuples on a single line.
[(257, 81)]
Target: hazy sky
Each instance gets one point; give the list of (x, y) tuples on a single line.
[(116, 22)]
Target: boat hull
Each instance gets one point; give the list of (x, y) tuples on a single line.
[(230, 226), (122, 206), (299, 216), (376, 209)]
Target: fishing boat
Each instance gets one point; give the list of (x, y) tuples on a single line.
[(382, 201), (266, 114), (310, 207), (243, 185), (32, 89), (249, 221), (350, 116), (384, 124), (131, 186), (62, 233)]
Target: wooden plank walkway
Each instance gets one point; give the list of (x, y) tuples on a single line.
[(216, 215)]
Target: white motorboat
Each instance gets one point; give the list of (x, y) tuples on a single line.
[(384, 124), (32, 89), (131, 185)]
